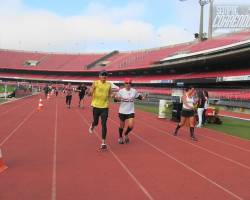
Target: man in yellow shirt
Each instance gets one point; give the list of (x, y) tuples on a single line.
[(100, 91)]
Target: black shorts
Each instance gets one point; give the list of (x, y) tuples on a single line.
[(81, 96), (123, 117), (187, 113)]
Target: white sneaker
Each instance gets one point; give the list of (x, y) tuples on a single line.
[(103, 146), (198, 126), (91, 129), (120, 140)]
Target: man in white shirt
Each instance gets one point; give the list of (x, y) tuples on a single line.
[(127, 96)]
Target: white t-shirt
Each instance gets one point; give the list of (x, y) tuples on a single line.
[(127, 100), (189, 102)]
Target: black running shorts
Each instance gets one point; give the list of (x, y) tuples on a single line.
[(123, 117)]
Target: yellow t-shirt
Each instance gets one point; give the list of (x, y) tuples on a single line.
[(101, 94)]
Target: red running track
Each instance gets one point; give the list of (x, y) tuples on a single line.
[(52, 156)]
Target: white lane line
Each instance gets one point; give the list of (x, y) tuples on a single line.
[(53, 189), (241, 118), (230, 144), (142, 113), (13, 108), (185, 165), (190, 168), (227, 135), (199, 147), (219, 141), (226, 143), (18, 126), (18, 99), (144, 190)]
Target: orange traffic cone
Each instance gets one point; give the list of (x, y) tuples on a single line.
[(40, 105), (2, 165)]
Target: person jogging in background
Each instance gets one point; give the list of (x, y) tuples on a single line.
[(126, 96), (68, 91), (56, 91), (82, 90), (46, 90), (100, 92), (187, 113)]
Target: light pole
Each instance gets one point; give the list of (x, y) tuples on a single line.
[(202, 4), (210, 23)]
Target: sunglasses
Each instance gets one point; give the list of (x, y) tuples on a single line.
[(127, 82)]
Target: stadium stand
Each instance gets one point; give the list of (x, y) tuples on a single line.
[(46, 61), (220, 41), (116, 61), (148, 75)]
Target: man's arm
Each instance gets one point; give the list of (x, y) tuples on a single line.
[(91, 89), (110, 92)]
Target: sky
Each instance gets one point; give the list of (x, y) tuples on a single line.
[(85, 26)]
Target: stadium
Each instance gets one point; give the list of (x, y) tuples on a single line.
[(50, 154)]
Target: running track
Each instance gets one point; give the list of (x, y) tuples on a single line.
[(51, 156)]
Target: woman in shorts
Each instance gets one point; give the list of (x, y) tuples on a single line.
[(188, 112)]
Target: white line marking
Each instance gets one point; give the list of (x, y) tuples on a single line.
[(226, 143), (228, 135), (199, 147), (18, 126), (53, 189), (190, 168), (212, 130), (144, 190), (185, 165), (131, 175), (17, 99), (241, 118), (13, 108)]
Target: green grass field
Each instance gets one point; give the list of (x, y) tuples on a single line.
[(236, 127), (9, 88)]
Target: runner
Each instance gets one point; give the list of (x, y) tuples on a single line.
[(100, 92), (187, 113), (46, 91), (56, 91), (126, 96), (68, 91), (82, 90)]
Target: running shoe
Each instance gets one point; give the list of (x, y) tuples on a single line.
[(194, 138), (126, 139), (120, 140), (103, 146)]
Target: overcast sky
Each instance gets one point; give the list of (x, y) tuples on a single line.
[(98, 25)]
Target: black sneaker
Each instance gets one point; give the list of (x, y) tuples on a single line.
[(120, 140), (103, 146), (126, 139), (194, 138)]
